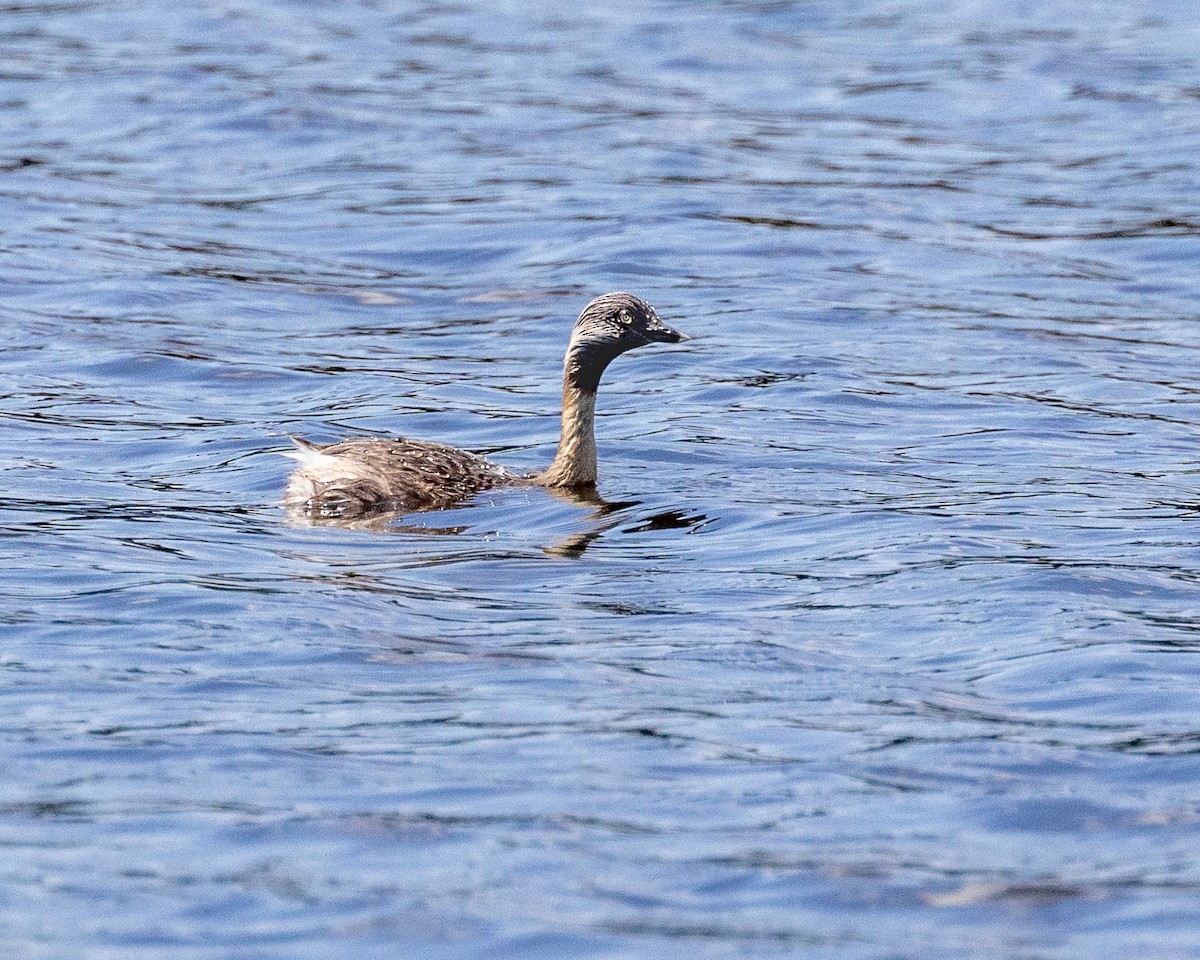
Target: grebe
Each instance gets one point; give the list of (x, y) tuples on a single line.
[(357, 476)]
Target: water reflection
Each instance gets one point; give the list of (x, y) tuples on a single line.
[(602, 517), (608, 516)]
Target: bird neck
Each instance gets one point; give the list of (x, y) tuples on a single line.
[(575, 463)]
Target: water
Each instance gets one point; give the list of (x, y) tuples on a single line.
[(887, 646)]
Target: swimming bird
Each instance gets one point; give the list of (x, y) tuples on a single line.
[(358, 476)]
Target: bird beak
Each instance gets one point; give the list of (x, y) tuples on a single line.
[(664, 334)]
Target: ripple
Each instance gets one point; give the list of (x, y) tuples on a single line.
[(886, 608)]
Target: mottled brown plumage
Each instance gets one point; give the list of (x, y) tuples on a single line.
[(357, 475), (353, 477)]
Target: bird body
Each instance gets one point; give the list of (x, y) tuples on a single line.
[(397, 474), (352, 477)]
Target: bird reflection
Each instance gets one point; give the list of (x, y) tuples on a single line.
[(374, 521), (604, 516)]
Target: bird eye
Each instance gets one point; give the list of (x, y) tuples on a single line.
[(626, 316)]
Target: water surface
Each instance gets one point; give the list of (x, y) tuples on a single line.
[(887, 645)]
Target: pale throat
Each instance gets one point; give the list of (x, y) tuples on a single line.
[(575, 463)]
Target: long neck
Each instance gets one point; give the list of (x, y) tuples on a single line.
[(575, 463)]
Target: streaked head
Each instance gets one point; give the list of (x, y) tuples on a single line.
[(625, 320), (609, 326)]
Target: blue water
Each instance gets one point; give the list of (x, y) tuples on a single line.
[(888, 642)]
